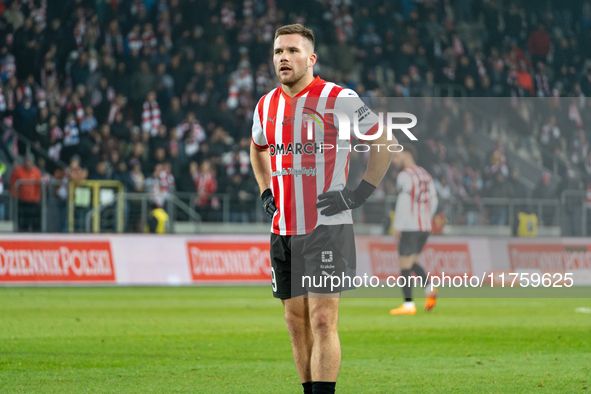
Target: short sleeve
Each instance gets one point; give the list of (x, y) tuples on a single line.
[(258, 134), (350, 102)]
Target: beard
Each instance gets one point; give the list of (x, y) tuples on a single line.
[(293, 78)]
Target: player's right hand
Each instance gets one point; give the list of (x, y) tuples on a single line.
[(397, 235), (269, 203)]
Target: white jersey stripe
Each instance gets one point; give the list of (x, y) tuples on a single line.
[(299, 210), (279, 140)]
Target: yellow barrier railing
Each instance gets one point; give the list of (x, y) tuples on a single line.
[(87, 194)]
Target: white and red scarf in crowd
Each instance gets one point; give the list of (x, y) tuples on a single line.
[(247, 8), (77, 109), (243, 163), (149, 39), (134, 42), (151, 117), (193, 134), (228, 17), (162, 184), (38, 14)]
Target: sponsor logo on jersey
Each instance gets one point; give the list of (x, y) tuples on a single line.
[(326, 256), (295, 171), (287, 120), (308, 148)]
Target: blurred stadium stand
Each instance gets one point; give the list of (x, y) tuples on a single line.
[(159, 94)]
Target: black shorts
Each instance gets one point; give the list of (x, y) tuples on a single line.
[(307, 263), (412, 242)]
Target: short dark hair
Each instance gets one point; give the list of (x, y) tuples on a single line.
[(296, 28), (410, 148)]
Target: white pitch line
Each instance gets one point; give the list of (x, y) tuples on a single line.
[(583, 310)]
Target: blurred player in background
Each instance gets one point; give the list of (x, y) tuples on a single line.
[(415, 207), (312, 211)]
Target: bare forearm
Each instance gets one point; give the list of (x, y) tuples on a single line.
[(261, 166), (379, 160)]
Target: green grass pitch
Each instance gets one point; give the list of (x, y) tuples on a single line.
[(234, 340)]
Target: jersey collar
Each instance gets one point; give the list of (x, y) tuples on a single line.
[(304, 91)]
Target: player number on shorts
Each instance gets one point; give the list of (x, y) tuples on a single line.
[(273, 279)]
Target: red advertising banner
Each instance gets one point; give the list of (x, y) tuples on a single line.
[(217, 261), (56, 261), (451, 259), (549, 257)]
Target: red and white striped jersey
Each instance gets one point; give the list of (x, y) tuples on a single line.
[(417, 200), (300, 169)]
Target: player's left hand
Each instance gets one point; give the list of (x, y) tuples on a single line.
[(335, 202)]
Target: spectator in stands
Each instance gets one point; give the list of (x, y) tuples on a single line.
[(56, 135), (41, 129), (142, 83), (161, 183), (157, 220), (473, 186), (25, 114), (121, 174), (25, 186), (174, 115), (80, 70), (72, 173), (498, 161), (109, 143), (14, 16), (121, 130), (71, 138), (501, 188), (549, 138), (240, 200), (545, 191), (206, 185), (100, 172), (89, 122), (160, 140), (444, 193), (538, 44), (571, 191), (579, 150)]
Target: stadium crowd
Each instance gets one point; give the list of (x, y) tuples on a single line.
[(159, 94)]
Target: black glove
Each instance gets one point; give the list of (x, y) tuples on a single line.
[(345, 199), (268, 203)]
